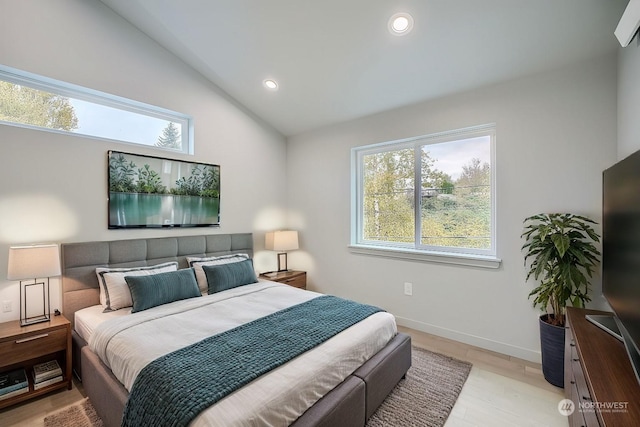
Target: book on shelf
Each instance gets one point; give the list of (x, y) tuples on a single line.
[(46, 370), (12, 381), (45, 383), (17, 392)]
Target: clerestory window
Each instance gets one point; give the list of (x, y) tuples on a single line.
[(37, 102)]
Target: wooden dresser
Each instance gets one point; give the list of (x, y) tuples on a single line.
[(599, 379)]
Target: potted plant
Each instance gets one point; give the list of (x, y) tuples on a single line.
[(563, 257)]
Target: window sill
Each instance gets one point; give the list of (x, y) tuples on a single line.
[(442, 258)]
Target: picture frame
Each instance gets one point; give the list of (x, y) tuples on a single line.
[(156, 192)]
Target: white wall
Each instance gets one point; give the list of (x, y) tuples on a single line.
[(556, 132), (53, 187), (629, 99)]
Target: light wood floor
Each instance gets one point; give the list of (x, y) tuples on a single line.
[(32, 412), (500, 391)]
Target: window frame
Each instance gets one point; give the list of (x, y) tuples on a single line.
[(417, 251), (57, 87)]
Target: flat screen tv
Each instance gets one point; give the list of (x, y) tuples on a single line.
[(154, 192), (621, 251)]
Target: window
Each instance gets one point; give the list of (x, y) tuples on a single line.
[(430, 196), (37, 102)]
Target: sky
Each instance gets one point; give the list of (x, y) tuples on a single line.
[(112, 123), (451, 156)]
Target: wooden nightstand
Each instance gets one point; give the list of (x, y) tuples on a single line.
[(25, 346), (297, 279)]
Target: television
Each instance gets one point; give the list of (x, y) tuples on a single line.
[(156, 192), (621, 253)]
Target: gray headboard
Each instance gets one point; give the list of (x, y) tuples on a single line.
[(79, 260)]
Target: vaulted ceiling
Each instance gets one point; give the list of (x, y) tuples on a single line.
[(336, 60)]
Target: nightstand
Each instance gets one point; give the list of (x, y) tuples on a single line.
[(25, 346), (297, 279)]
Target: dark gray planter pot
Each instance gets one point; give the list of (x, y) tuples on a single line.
[(552, 348)]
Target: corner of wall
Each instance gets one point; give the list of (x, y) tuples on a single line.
[(628, 140)]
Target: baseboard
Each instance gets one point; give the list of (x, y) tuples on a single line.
[(499, 347)]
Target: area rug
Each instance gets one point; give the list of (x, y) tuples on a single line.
[(426, 396), (77, 415), (423, 399)]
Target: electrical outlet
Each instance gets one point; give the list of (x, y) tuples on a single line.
[(6, 306), (408, 288)]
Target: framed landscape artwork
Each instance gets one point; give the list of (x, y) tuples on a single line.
[(153, 192)]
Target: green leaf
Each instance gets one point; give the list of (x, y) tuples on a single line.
[(561, 242)]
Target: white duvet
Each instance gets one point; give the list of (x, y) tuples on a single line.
[(128, 343)]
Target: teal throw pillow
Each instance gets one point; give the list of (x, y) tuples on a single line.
[(227, 276), (162, 288)]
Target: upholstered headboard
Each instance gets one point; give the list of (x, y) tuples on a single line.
[(80, 287)]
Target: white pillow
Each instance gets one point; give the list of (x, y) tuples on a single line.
[(114, 291), (197, 264)]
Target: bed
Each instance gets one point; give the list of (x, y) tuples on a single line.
[(353, 388)]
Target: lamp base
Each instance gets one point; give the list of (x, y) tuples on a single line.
[(34, 320), (33, 292), (282, 262)]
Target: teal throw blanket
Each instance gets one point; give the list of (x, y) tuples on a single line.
[(173, 389)]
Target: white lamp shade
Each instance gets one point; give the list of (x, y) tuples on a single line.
[(32, 262), (281, 240)]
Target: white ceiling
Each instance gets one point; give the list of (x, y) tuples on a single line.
[(334, 60)]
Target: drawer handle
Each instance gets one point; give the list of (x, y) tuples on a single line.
[(35, 337), (586, 398), (572, 344), (576, 360)]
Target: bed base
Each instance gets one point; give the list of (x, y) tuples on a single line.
[(350, 404)]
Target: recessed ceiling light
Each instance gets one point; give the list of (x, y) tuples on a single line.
[(270, 84), (400, 24)]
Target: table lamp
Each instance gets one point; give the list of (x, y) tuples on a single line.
[(28, 264), (282, 241)]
